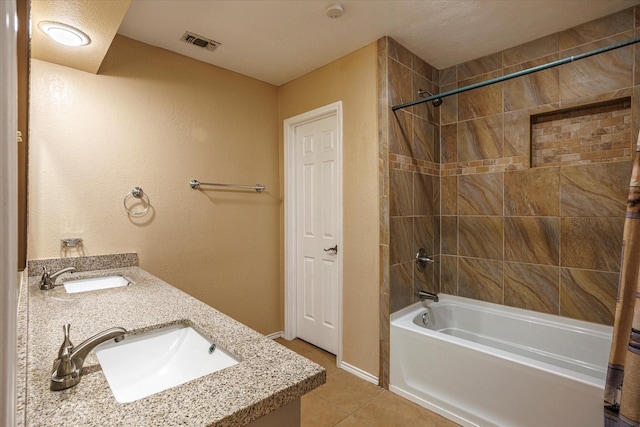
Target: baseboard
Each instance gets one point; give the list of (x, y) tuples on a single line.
[(275, 335), (359, 373)]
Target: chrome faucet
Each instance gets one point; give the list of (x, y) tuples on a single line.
[(424, 295), (48, 280), (67, 368)]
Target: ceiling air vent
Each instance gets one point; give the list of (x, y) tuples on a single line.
[(200, 41)]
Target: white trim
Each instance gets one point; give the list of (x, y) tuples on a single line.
[(290, 204), (8, 211), (359, 373), (275, 335)]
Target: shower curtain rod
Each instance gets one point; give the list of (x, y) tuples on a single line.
[(519, 73)]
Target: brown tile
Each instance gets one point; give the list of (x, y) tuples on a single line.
[(425, 110), (436, 195), (591, 243), (384, 268), (401, 240), (480, 139), (317, 412), (480, 279), (449, 235), (297, 345), (480, 237), (588, 295), (423, 234), (400, 83), (449, 195), (480, 102), (389, 410), (594, 133), (324, 359), (449, 143), (532, 192), (449, 107), (534, 89), (449, 76), (517, 133), (348, 392), (400, 192), (449, 275), (481, 194), (401, 286), (532, 50), (399, 53), (350, 421), (534, 240), (384, 220), (532, 287), (597, 29), (598, 74), (424, 139), (598, 189), (483, 65), (400, 133), (423, 194)]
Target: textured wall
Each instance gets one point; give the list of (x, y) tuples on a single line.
[(156, 119), (351, 79)]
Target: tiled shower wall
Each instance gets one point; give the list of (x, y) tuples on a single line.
[(546, 238), (409, 183)]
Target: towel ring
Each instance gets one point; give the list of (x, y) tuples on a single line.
[(138, 194)]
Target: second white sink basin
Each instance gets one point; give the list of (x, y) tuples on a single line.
[(142, 365), (96, 283)]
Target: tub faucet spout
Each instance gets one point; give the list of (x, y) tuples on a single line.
[(48, 280), (67, 368), (424, 295)]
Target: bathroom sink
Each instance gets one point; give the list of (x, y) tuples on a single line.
[(96, 283), (142, 365)]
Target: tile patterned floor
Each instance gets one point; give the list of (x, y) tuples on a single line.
[(348, 401)]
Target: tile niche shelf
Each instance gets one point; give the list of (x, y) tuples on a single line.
[(595, 133)]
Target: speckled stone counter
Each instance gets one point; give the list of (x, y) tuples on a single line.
[(268, 377)]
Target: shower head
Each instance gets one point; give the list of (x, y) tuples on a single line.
[(436, 102)]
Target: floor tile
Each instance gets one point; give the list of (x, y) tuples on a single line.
[(389, 410), (350, 421), (347, 391), (317, 412), (346, 400)]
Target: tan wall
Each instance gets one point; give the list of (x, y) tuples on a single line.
[(155, 119), (352, 80)]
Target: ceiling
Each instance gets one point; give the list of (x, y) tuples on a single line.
[(276, 41), (279, 40)]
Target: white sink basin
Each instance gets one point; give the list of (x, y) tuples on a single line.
[(96, 283), (142, 365)]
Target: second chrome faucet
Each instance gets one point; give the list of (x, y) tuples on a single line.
[(48, 280)]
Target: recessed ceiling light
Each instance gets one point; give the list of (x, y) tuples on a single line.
[(64, 34)]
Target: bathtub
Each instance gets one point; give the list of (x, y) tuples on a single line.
[(482, 364)]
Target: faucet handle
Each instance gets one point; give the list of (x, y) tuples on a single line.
[(66, 346), (67, 366)]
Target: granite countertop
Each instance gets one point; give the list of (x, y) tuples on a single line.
[(268, 377)]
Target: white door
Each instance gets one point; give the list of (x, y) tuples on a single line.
[(317, 218)]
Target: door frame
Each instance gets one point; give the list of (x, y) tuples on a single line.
[(290, 215)]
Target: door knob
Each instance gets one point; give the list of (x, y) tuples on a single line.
[(334, 249)]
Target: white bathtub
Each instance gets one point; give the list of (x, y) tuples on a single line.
[(482, 364)]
